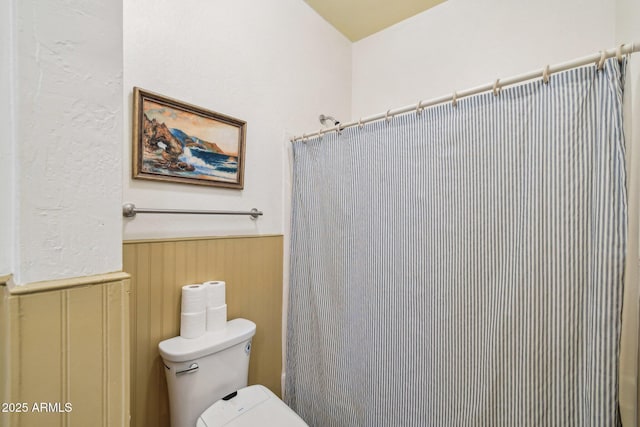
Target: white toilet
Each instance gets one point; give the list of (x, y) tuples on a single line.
[(207, 382)]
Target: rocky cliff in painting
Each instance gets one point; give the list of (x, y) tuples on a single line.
[(161, 148), (192, 141)]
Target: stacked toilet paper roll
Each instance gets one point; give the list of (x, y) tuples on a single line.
[(193, 313), (216, 306), (204, 309)]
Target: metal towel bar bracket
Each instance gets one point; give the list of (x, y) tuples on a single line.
[(130, 210)]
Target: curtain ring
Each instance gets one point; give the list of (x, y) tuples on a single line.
[(454, 99), (320, 133), (603, 56), (419, 108), (304, 138), (386, 116), (360, 125), (619, 53), (496, 87), (545, 75)]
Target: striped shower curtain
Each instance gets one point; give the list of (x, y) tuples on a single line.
[(462, 266)]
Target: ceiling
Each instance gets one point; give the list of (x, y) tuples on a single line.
[(357, 19)]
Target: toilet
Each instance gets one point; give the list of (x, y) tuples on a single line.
[(207, 382)]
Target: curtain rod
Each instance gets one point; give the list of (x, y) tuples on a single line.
[(598, 58)]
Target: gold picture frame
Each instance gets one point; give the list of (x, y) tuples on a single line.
[(174, 141)]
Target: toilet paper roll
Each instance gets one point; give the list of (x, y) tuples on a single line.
[(194, 298), (193, 325), (216, 318), (216, 294)]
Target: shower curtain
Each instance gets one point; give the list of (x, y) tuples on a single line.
[(462, 266)]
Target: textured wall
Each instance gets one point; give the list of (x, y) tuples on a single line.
[(68, 118), (7, 140)]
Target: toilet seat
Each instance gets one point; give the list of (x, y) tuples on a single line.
[(253, 406)]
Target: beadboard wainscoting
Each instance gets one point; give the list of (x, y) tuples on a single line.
[(65, 358), (251, 266)]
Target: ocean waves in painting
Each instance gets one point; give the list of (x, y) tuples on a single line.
[(177, 154), (221, 166)]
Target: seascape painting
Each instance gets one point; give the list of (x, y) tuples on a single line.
[(175, 141)]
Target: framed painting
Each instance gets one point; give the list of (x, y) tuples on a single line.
[(178, 142)]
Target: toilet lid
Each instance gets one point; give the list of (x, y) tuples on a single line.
[(253, 406)]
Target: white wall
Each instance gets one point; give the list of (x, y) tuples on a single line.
[(628, 30), (277, 65), (7, 140), (68, 146), (461, 44)]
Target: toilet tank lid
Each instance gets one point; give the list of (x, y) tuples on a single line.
[(178, 349)]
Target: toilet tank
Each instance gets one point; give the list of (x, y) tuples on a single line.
[(202, 370)]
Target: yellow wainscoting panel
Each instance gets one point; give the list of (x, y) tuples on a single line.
[(67, 355), (252, 269), (5, 367)]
